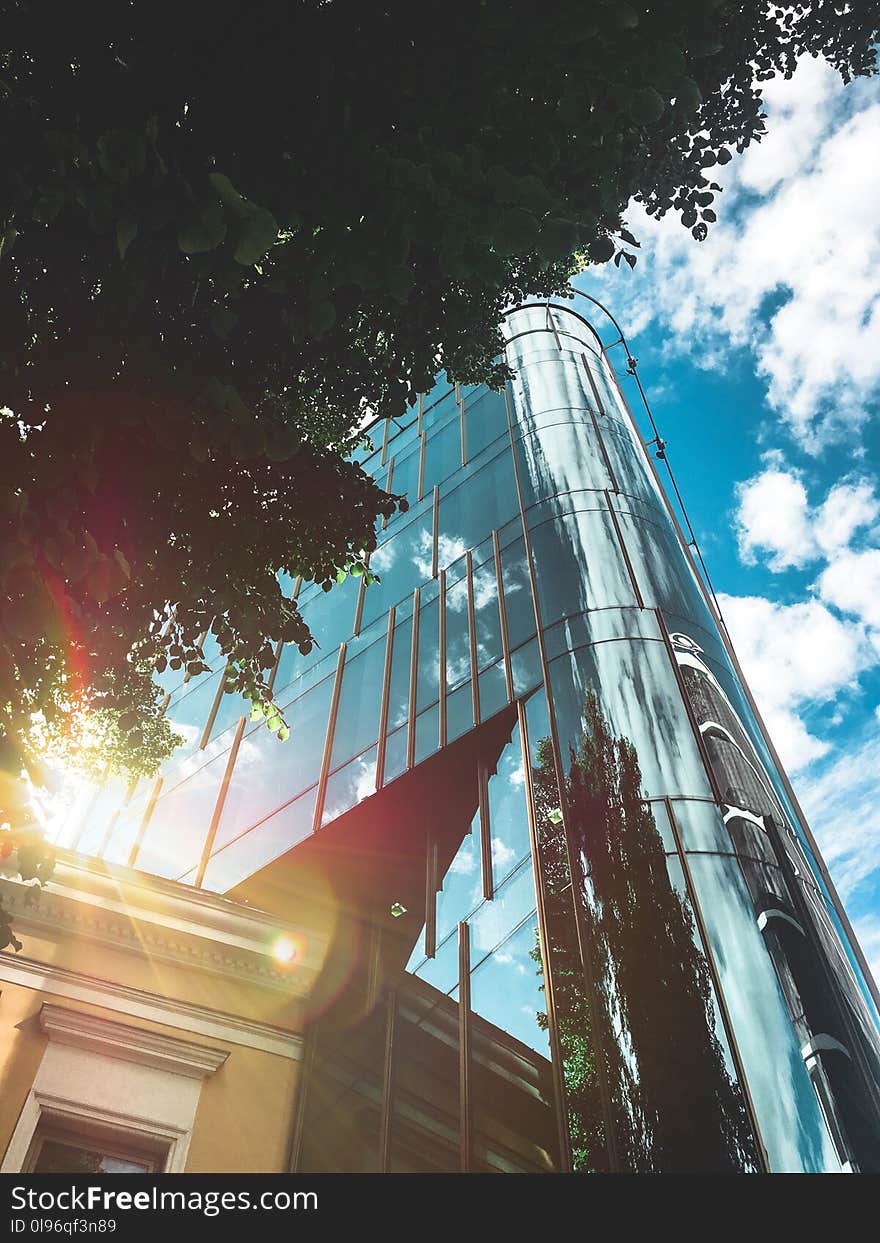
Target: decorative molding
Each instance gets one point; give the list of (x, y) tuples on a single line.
[(194, 1019), (163, 920), (132, 1044)]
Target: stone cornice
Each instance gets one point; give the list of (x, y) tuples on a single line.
[(132, 1044), (138, 1003), (163, 920)]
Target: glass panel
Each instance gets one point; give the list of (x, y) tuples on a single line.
[(442, 453), (599, 626), (401, 563), (442, 970), (462, 888), (517, 593), (485, 420), (493, 691), (427, 739), (484, 501), (486, 615), (459, 712), (427, 686), (506, 988), (579, 565), (511, 1073), (632, 687), (525, 665), (563, 457), (188, 713), (268, 772), (458, 646), (360, 699), (179, 825), (493, 921), (273, 837), (398, 690), (508, 817), (789, 1115), (395, 754), (350, 786)]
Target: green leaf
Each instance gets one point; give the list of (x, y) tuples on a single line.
[(258, 231), (322, 317), (283, 733), (558, 238), (126, 232), (223, 322), (646, 106), (601, 250)]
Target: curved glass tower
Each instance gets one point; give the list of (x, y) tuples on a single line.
[(574, 918)]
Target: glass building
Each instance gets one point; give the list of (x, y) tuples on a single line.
[(573, 917)]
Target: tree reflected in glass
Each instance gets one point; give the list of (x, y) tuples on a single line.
[(650, 1023)]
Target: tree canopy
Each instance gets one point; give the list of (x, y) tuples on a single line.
[(223, 244)]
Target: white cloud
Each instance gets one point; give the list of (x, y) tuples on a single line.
[(868, 932), (792, 268), (794, 655), (774, 516), (852, 584), (842, 803)]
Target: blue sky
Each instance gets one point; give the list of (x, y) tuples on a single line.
[(760, 353)]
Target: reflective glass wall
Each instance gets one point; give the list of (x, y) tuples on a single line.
[(624, 955)]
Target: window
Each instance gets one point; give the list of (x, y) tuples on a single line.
[(62, 1148)]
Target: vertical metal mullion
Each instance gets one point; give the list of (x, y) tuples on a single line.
[(435, 532), (145, 820), (108, 834), (388, 1085), (413, 683), (442, 659), (463, 434), (388, 483), (421, 413), (502, 613), (600, 405), (431, 886), (215, 707), (384, 456), (423, 440), (279, 648), (328, 739), (210, 836), (383, 709), (716, 982), (688, 707), (472, 629), (359, 607), (465, 1126), (621, 543), (485, 832), (561, 1111), (601, 439)]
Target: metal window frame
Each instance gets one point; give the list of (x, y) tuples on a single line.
[(383, 706), (328, 738), (145, 820), (413, 682), (465, 1116), (210, 836)]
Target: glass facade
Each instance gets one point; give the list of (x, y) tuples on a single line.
[(579, 923)]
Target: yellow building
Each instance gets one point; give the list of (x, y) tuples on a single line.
[(147, 1025)]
